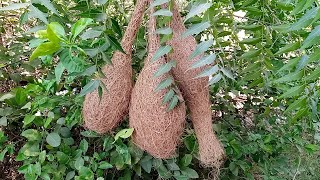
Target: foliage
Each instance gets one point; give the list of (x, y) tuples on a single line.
[(263, 59)]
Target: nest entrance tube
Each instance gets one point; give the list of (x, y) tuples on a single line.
[(157, 130), (195, 92), (103, 116)]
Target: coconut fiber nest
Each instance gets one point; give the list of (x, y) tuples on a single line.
[(102, 116), (157, 130), (195, 93)]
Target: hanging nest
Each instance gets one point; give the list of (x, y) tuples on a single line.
[(195, 92), (103, 116), (157, 130)]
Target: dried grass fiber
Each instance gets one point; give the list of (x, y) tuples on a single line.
[(195, 92), (104, 116), (157, 131)]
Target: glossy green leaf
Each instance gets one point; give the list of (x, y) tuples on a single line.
[(288, 48), (250, 41), (299, 103), (164, 84), (290, 77), (36, 13), (49, 6), (58, 71), (90, 87), (196, 29), (163, 12), (31, 134), (169, 95), (313, 76), (161, 52), (104, 165), (195, 10), (208, 72), (116, 28), (205, 60), (315, 56), (190, 173), (292, 92), (90, 34), (124, 134), (165, 68), (28, 119), (312, 39), (201, 48), (305, 20), (173, 103), (251, 54), (47, 48), (215, 79), (227, 73), (114, 42), (53, 139), (186, 160), (79, 26)]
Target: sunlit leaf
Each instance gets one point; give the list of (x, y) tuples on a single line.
[(163, 12), (161, 52), (196, 29), (195, 10), (201, 48), (312, 39), (205, 60)]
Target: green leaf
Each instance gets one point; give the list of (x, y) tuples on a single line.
[(90, 87), (290, 64), (169, 95), (157, 3), (298, 7), (165, 68), (79, 163), (116, 28), (190, 173), (3, 121), (205, 60), (302, 63), (196, 29), (292, 92), (227, 73), (73, 64), (47, 48), (90, 34), (105, 165), (305, 20), (290, 77), (15, 6), (31, 135), (186, 160), (215, 79), (58, 71), (115, 43), (313, 76), (55, 32), (251, 27), (195, 10), (70, 175), (296, 104), (201, 48), (53, 139), (28, 119), (161, 52), (49, 6), (163, 12), (315, 56), (124, 134), (146, 163), (165, 31), (312, 39), (6, 96), (36, 13), (251, 54), (209, 72), (250, 41), (79, 26), (173, 103), (86, 173), (164, 84), (288, 48)]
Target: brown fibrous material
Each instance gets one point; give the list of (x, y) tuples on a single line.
[(195, 92), (156, 130), (103, 116)]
